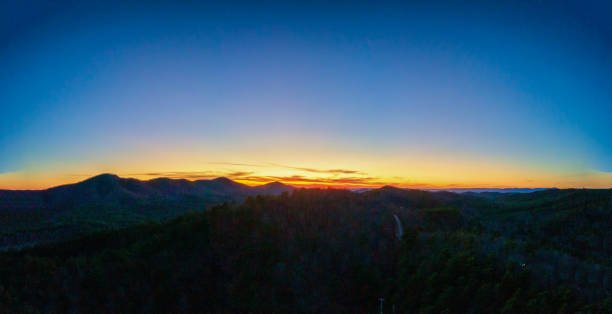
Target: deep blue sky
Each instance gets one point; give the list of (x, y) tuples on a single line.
[(132, 87)]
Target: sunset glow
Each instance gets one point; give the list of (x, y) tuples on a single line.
[(312, 95)]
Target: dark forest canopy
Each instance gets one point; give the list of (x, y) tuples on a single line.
[(335, 251)]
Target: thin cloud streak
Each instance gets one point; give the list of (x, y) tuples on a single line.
[(187, 175), (237, 164), (193, 175), (317, 181), (305, 169), (248, 176), (329, 171)]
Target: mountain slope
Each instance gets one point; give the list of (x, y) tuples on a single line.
[(108, 201), (111, 189)]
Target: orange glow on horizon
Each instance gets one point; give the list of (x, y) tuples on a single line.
[(339, 171), (20, 181)]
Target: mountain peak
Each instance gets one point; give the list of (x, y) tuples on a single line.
[(104, 177), (223, 180), (390, 188)]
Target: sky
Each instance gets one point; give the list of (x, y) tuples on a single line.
[(424, 95)]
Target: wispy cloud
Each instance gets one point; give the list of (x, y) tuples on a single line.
[(190, 175), (240, 173), (317, 181), (238, 164), (304, 169), (249, 176), (328, 171)]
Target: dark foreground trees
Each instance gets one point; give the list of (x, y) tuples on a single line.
[(311, 251)]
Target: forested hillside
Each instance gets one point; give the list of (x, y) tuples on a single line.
[(107, 202), (334, 251)]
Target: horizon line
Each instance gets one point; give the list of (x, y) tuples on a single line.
[(312, 184)]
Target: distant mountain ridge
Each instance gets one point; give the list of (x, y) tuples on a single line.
[(494, 190), (108, 201), (112, 188), (474, 190)]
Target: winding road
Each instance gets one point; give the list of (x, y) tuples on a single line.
[(399, 231)]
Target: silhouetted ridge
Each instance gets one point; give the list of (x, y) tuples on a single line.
[(273, 188), (224, 180), (113, 192), (105, 177), (390, 188)]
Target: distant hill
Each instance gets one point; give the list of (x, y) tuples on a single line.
[(108, 201), (496, 190), (475, 190)]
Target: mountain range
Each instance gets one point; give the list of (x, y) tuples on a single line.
[(108, 201), (226, 246), (111, 189)]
